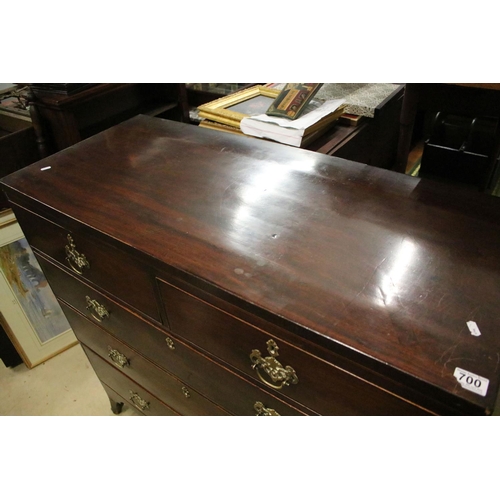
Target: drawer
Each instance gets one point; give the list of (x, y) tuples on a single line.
[(116, 319), (108, 267), (130, 392), (168, 389), (305, 378), (228, 390)]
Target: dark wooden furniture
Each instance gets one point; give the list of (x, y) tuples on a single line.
[(374, 141), (17, 146), (62, 119), (210, 274), (471, 99)]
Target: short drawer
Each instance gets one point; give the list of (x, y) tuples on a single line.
[(130, 392), (274, 363), (215, 382), (168, 389), (95, 305), (95, 261)]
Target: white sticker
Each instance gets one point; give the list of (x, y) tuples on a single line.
[(473, 328), (471, 381)]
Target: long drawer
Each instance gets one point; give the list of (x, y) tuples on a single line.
[(304, 378), (106, 266), (130, 392), (173, 392), (217, 383)]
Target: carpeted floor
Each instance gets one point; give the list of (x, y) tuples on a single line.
[(65, 385)]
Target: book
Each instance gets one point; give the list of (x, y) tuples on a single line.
[(351, 120), (293, 100), (297, 132)]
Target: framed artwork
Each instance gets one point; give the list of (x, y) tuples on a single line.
[(220, 126), (293, 100), (29, 311), (231, 109)]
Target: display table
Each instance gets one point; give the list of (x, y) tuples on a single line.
[(212, 274), (373, 140)]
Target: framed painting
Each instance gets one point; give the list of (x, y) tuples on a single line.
[(29, 311), (220, 126), (231, 109)]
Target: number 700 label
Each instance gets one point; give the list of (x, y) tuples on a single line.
[(471, 381)]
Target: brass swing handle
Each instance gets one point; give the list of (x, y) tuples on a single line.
[(76, 260), (118, 358), (263, 411), (138, 402), (97, 311), (280, 376)]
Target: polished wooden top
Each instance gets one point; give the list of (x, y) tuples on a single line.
[(373, 262)]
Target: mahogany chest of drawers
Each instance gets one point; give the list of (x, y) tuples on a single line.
[(212, 274)]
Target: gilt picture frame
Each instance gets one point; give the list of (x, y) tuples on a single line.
[(29, 311), (231, 109)]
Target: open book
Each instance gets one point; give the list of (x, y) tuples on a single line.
[(307, 127)]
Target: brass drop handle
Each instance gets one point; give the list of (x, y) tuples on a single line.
[(263, 411), (170, 343), (186, 392), (76, 260), (97, 311), (118, 358), (280, 377), (138, 402)]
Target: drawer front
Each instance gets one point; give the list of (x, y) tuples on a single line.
[(228, 390), (99, 308), (168, 389), (276, 364), (108, 268), (130, 392)]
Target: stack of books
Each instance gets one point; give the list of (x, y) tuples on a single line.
[(316, 119)]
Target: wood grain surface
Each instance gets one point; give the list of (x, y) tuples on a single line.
[(383, 266)]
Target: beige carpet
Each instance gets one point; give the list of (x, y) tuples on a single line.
[(65, 385)]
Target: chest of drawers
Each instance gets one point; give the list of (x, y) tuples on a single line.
[(209, 274)]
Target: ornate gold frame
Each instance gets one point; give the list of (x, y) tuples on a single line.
[(217, 110)]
